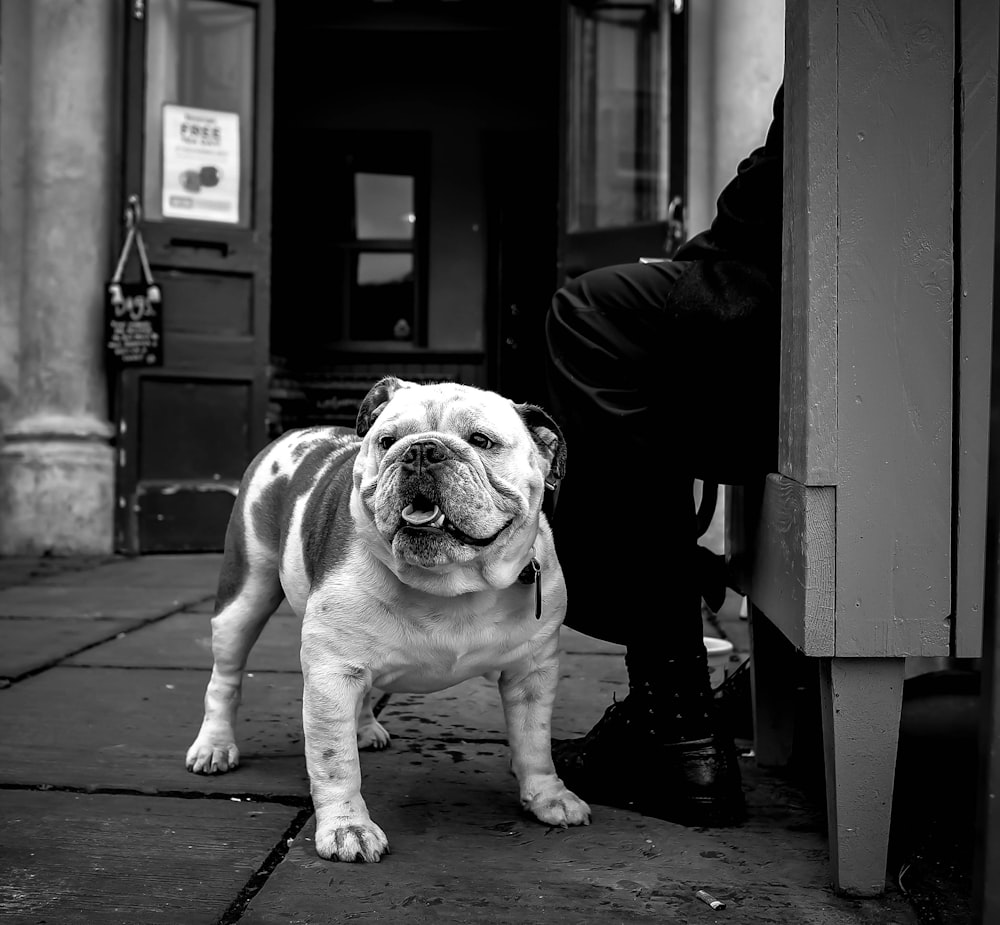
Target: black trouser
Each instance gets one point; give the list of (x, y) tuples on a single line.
[(656, 383)]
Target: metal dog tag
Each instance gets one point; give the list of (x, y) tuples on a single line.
[(532, 574)]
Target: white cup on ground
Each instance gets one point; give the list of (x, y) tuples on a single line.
[(719, 653)]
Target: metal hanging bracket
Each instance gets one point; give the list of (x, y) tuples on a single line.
[(133, 236)]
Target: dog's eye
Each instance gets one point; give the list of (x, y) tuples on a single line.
[(480, 440), (386, 441)]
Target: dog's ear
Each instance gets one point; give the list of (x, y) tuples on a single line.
[(548, 438), (376, 399)]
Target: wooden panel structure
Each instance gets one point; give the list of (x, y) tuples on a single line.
[(895, 89), (986, 884), (979, 25), (793, 571), (868, 545), (808, 443)]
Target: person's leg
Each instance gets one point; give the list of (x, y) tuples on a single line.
[(650, 390)]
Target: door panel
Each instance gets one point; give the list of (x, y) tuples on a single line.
[(624, 123), (186, 483), (172, 409), (197, 142), (203, 304)]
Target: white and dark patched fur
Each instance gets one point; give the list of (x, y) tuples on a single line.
[(400, 546)]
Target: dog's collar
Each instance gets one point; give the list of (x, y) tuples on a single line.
[(531, 574)]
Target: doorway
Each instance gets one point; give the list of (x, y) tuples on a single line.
[(415, 189), (411, 180)]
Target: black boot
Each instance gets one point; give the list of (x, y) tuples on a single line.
[(657, 752)]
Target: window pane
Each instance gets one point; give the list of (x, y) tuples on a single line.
[(618, 117), (200, 54), (382, 297), (383, 206)]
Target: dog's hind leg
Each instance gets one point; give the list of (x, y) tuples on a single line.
[(249, 592), (371, 733)]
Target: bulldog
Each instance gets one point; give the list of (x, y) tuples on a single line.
[(416, 553)]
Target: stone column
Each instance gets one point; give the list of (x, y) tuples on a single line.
[(56, 464), (736, 54)]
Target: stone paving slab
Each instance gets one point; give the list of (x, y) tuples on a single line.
[(472, 710), (86, 602), (119, 727), (184, 640), (463, 851), (97, 728), (208, 606), (29, 644), (200, 571), (576, 643), (97, 859), (22, 570)]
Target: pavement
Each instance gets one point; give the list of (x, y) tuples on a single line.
[(103, 666)]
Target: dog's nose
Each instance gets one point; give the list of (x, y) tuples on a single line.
[(424, 453)]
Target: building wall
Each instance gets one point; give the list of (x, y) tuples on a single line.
[(56, 178), (13, 128), (57, 168)]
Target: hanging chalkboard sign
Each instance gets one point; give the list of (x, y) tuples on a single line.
[(133, 315), (134, 325)]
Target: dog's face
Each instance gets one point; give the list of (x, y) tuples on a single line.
[(450, 475)]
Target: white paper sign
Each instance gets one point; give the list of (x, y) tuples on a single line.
[(201, 164)]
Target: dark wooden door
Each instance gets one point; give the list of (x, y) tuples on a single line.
[(197, 143), (624, 121)]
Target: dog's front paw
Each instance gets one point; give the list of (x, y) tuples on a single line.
[(373, 735), (549, 801), (212, 755), (361, 841)]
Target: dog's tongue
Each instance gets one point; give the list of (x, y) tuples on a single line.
[(421, 518)]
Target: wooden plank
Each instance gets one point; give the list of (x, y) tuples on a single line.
[(861, 701), (896, 65), (980, 27), (124, 728), (176, 417), (189, 515), (201, 303), (192, 353), (986, 884), (808, 441), (793, 573), (31, 644), (94, 859)]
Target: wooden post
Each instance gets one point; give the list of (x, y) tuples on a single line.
[(861, 701)]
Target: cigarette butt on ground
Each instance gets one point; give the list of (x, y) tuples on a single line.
[(710, 900)]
